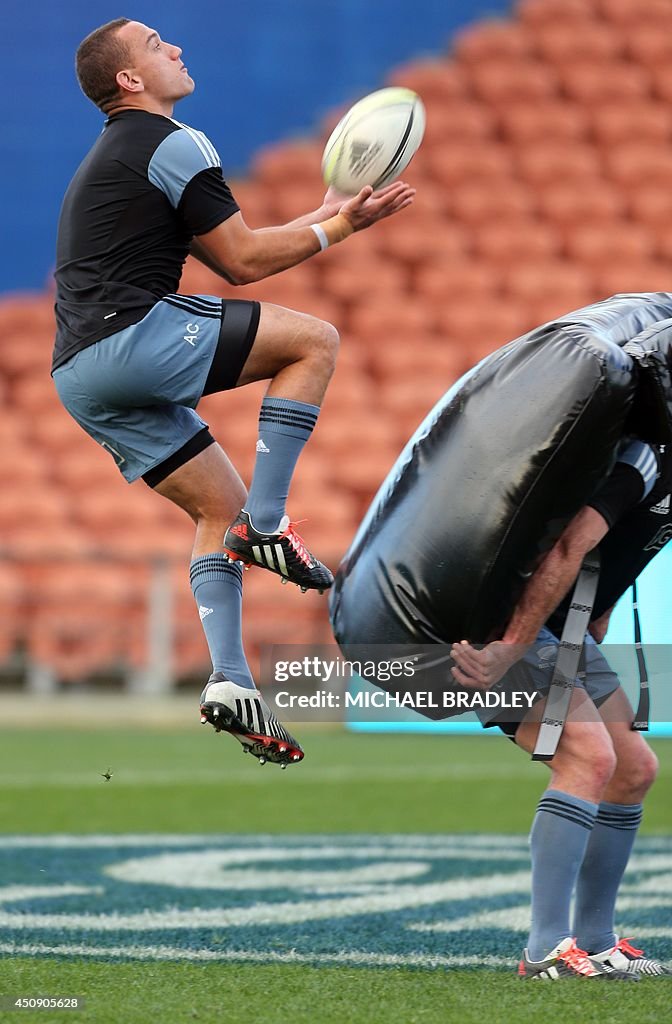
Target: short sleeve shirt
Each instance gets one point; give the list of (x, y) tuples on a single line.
[(147, 186)]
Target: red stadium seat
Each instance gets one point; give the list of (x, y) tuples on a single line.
[(595, 245), (441, 282), (647, 44), (662, 79), (638, 164), (456, 121), (617, 123), (635, 276), (502, 242), (438, 80), (484, 325), (563, 203), (557, 161), (534, 282), (488, 40), (628, 13), (556, 119), (502, 81), (591, 82), (535, 13), (479, 202), (563, 43), (455, 162)]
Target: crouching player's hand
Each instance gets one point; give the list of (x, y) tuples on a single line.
[(481, 669)]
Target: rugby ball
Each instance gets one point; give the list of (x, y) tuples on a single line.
[(374, 141)]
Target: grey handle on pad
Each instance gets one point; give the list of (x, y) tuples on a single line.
[(567, 662)]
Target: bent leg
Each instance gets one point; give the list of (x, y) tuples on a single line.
[(298, 352), (618, 819), (581, 770)]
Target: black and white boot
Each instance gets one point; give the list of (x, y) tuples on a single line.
[(245, 714), (282, 552)]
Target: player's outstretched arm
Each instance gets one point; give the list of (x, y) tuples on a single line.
[(242, 255), (543, 593)]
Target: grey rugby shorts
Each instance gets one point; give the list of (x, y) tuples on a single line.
[(135, 392), (534, 673)]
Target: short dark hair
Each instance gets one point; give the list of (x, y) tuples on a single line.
[(99, 57)]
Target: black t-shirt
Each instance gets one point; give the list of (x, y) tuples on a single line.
[(640, 525), (147, 186)]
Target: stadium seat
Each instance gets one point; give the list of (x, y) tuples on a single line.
[(415, 241), (632, 276), (638, 164), (480, 326), (493, 39), (537, 13), (534, 282), (503, 241), (556, 119), (454, 162), (503, 81), (595, 245), (372, 324), (591, 82), (616, 123), (284, 163), (431, 79), (455, 122), (563, 43), (628, 13), (478, 202), (441, 282), (558, 161), (646, 44), (563, 203), (662, 79)]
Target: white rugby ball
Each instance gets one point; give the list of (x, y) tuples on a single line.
[(374, 141)]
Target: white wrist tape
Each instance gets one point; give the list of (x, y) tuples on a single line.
[(321, 236)]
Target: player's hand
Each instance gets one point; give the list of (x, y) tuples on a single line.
[(482, 669), (368, 206)]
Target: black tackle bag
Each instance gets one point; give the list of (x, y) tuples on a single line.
[(492, 477)]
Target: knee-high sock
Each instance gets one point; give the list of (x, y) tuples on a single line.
[(284, 428), (558, 840), (217, 586), (604, 863)]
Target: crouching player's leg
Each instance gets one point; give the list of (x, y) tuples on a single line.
[(610, 844)]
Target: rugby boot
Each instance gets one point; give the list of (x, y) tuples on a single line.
[(568, 961), (282, 552), (624, 957), (245, 714)]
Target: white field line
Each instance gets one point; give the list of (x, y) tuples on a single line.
[(287, 912), (358, 844), (356, 957)]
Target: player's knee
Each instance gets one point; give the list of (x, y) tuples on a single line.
[(324, 343), (636, 774), (602, 762)]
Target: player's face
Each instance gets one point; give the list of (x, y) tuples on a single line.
[(157, 63)]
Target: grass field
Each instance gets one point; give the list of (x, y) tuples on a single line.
[(376, 882)]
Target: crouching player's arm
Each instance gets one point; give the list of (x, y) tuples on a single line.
[(481, 669)]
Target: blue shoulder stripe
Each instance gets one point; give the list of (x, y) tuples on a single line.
[(180, 157)]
